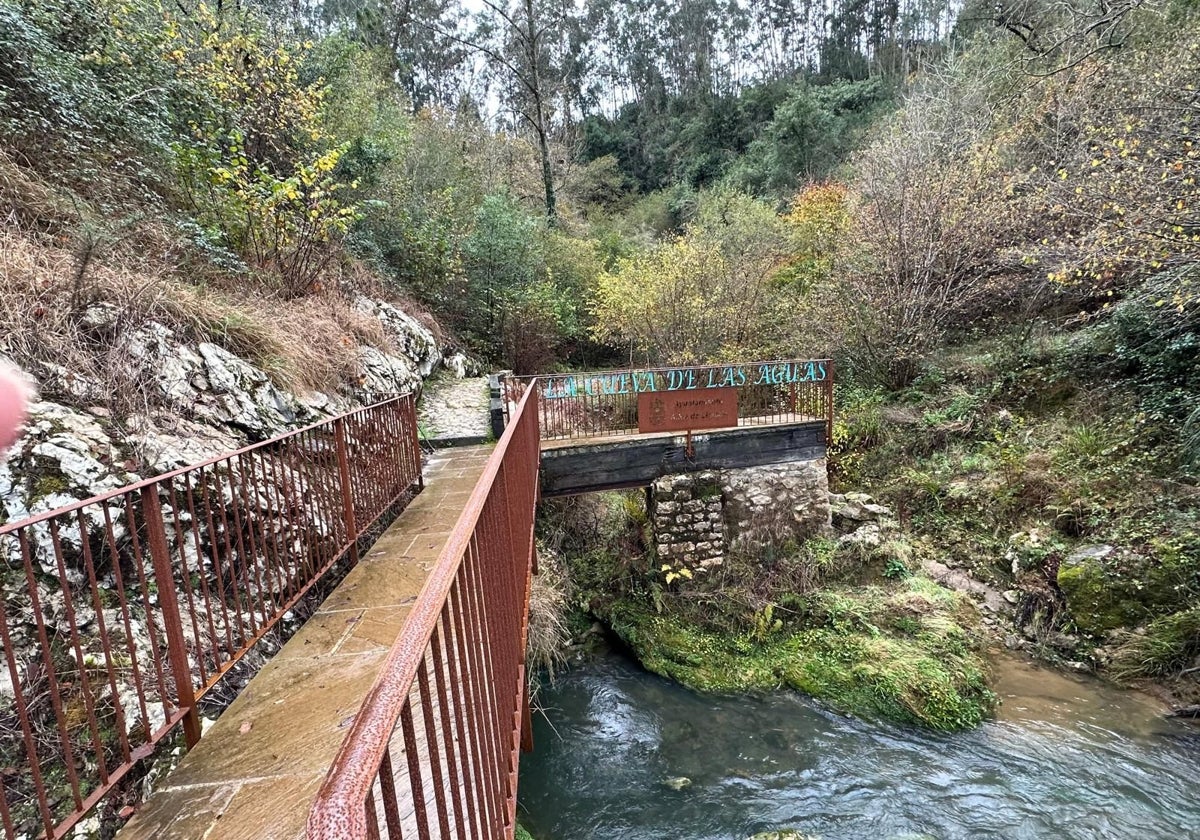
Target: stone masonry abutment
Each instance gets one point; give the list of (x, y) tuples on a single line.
[(699, 518)]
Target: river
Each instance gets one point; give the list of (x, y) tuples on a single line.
[(1068, 758)]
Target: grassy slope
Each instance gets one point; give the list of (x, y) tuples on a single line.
[(1010, 459), (58, 263)]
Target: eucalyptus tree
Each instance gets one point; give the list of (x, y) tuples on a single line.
[(518, 40), (428, 61)]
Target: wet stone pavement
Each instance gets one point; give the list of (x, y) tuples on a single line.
[(256, 771), (453, 409)]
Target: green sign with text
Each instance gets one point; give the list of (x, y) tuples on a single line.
[(681, 379)]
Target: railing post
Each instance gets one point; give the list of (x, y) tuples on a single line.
[(168, 599), (535, 443), (498, 403), (829, 405), (531, 448), (343, 458), (416, 440)]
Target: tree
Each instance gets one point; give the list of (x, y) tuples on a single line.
[(499, 256), (426, 59), (808, 135), (708, 295), (516, 40), (258, 169), (1117, 184), (523, 283), (929, 225), (1062, 34)]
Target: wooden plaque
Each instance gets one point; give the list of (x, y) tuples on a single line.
[(687, 410)]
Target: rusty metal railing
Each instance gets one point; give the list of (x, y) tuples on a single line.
[(433, 749), (605, 403), (121, 611)]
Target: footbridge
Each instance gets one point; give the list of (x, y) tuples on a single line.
[(400, 578), (620, 429)]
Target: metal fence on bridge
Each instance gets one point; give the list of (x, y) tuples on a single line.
[(433, 749), (605, 403), (120, 612)]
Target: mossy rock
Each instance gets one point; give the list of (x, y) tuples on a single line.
[(693, 656), (898, 679), (1095, 602), (898, 653), (1100, 598)]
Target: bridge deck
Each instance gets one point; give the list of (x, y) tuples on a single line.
[(257, 770)]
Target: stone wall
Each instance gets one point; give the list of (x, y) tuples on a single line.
[(698, 518), (688, 518), (776, 504)]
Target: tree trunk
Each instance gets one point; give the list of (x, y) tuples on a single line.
[(547, 174), (532, 42)]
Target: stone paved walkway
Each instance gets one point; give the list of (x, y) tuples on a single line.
[(454, 409), (255, 773)]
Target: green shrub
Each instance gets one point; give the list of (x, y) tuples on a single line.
[(1151, 341)]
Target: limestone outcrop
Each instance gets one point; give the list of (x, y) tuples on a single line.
[(200, 400)]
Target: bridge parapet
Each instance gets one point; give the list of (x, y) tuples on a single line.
[(635, 400), (434, 745)]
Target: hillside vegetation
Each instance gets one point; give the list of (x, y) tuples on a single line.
[(989, 219)]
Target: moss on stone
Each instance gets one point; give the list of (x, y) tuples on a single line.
[(1101, 599), (706, 489), (49, 483), (900, 653), (1092, 599)]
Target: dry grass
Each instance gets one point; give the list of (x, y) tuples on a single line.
[(29, 201), (305, 344), (549, 600), (355, 276), (58, 258), (50, 281)]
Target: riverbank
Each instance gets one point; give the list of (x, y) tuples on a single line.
[(843, 619), (908, 651), (1068, 486)]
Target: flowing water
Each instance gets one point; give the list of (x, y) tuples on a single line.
[(1068, 758)]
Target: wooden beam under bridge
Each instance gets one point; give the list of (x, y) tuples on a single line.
[(592, 464)]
